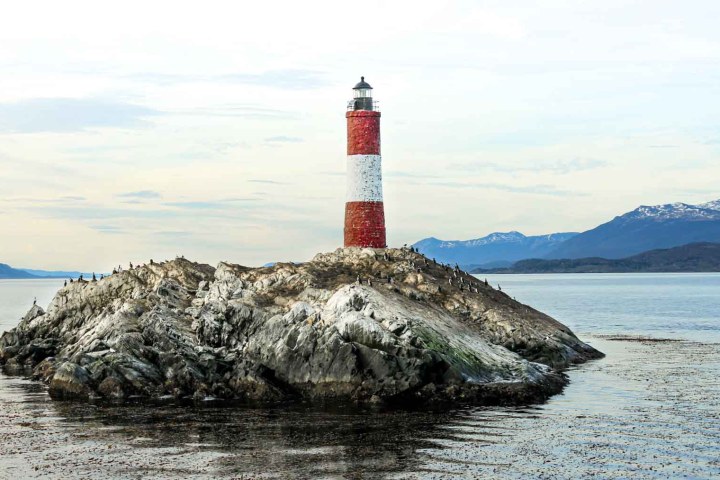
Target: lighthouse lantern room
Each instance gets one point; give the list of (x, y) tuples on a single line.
[(364, 210)]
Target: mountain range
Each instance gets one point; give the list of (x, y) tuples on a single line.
[(496, 250), (8, 272), (643, 229), (694, 257)]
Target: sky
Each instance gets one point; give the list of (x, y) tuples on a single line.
[(216, 130)]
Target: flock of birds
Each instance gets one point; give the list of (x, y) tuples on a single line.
[(457, 280)]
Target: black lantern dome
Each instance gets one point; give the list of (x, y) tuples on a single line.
[(362, 85), (362, 96)]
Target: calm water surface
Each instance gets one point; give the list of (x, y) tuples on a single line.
[(648, 410), (674, 305)]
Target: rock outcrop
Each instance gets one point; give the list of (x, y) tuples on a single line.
[(409, 331)]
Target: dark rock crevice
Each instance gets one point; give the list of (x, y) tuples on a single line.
[(410, 331)]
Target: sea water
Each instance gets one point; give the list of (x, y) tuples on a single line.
[(650, 409)]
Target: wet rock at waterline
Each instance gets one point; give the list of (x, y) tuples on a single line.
[(410, 331)]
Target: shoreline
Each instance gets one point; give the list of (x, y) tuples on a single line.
[(207, 441)]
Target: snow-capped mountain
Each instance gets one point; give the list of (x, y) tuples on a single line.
[(646, 228), (715, 205), (672, 211), (497, 248)]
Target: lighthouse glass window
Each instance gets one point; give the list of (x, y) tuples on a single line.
[(363, 93)]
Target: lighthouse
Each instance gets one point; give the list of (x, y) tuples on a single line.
[(364, 212)]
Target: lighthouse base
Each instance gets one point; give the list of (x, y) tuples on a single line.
[(365, 224)]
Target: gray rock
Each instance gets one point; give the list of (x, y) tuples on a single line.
[(302, 331)]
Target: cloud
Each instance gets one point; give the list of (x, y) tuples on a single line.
[(146, 194), (239, 199), (283, 79), (62, 115), (283, 139), (173, 234), (110, 229), (240, 111), (199, 205), (531, 189), (94, 213), (38, 200), (560, 166), (270, 182), (287, 79)]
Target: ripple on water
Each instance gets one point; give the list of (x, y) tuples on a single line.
[(648, 410)]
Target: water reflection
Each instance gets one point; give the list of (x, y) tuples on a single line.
[(645, 411)]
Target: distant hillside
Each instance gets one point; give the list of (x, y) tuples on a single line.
[(7, 272), (695, 257), (54, 273), (494, 250), (645, 228)]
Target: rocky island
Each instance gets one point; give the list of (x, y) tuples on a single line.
[(361, 325)]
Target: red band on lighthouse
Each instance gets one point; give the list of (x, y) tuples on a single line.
[(364, 224), (364, 210), (363, 132)]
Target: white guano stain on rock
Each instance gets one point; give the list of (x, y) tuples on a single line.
[(402, 334)]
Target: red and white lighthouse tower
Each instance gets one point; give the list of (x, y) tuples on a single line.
[(364, 212)]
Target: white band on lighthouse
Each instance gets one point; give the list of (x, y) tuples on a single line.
[(364, 178)]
